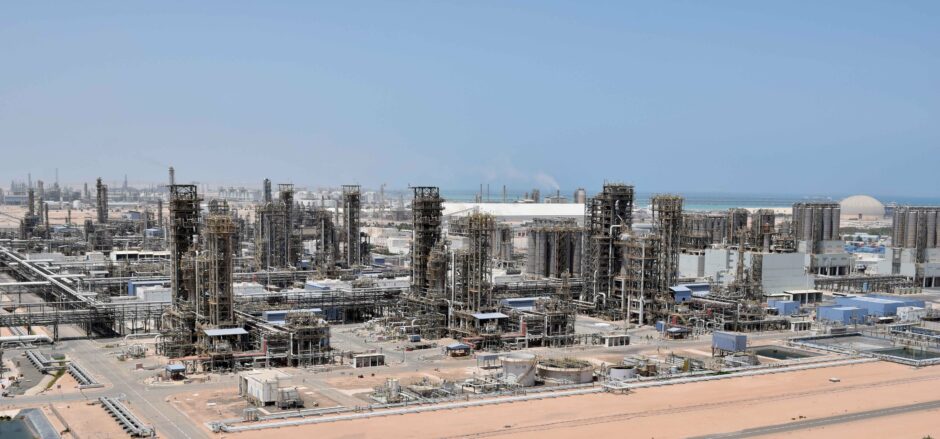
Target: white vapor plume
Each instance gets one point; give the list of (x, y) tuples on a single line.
[(546, 180)]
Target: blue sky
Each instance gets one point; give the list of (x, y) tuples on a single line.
[(737, 96)]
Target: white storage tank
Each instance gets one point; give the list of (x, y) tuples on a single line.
[(566, 371), (394, 389), (519, 368), (624, 372)]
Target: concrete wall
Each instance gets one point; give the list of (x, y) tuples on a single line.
[(884, 266), (932, 255), (832, 263), (716, 260), (830, 247), (691, 265), (784, 271), (846, 315)]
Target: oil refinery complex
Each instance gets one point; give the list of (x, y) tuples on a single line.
[(178, 310)]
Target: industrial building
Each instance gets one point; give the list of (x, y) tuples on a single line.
[(251, 283), (915, 245)]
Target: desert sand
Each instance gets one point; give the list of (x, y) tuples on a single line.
[(677, 411)]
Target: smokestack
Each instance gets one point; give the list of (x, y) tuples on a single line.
[(172, 176)]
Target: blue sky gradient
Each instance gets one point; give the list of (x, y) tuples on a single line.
[(734, 96)]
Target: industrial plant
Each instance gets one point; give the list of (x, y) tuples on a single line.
[(290, 307)]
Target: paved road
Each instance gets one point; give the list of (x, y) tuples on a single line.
[(822, 422), (150, 402), (146, 401)]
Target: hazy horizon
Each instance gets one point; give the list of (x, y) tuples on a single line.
[(495, 191)]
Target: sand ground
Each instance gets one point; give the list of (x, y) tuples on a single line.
[(910, 425), (678, 411), (10, 215), (89, 420)]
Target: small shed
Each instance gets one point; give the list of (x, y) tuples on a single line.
[(729, 341), (676, 332), (785, 307), (484, 316), (485, 360), (226, 332), (681, 293), (613, 340), (174, 371), (804, 297), (458, 349), (368, 360), (261, 387)]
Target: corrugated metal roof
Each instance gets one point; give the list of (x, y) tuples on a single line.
[(224, 332), (457, 346), (490, 315), (175, 368)]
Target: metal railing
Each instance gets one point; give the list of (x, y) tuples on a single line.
[(126, 418), (85, 379)]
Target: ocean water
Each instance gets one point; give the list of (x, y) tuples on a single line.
[(700, 201)]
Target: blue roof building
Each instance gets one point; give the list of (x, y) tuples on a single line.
[(841, 314)]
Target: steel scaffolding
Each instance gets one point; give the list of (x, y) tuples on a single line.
[(607, 216), (351, 234)]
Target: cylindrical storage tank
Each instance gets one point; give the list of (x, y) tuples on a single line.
[(897, 224), (937, 229), (818, 219), (621, 372), (530, 253), (910, 230), (931, 228), (553, 246), (807, 234), (394, 388), (566, 371), (541, 243), (519, 368), (827, 224), (836, 221)]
